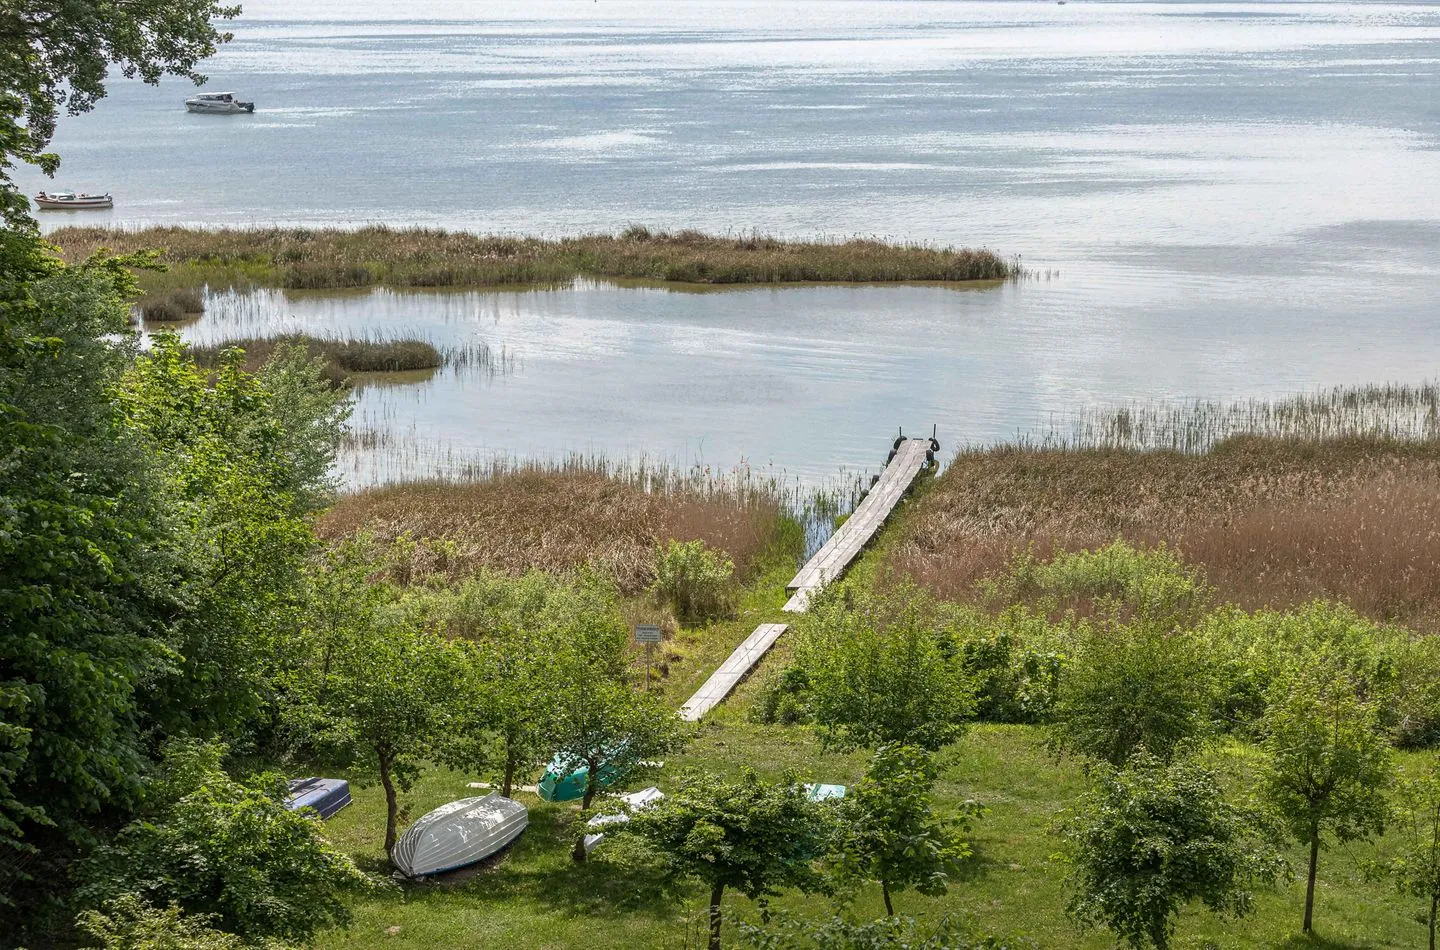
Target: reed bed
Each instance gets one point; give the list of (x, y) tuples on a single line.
[(172, 305), (562, 515), (343, 357), (330, 258), (1334, 495)]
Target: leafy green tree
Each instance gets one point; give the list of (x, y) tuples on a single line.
[(86, 565), (235, 492), (215, 846), (1147, 840), (1416, 868), (1329, 761), (888, 832), (385, 700), (602, 720), (756, 837), (515, 626), (1131, 687), (56, 54), (880, 669)]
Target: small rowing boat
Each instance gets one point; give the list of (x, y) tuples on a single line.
[(68, 200)]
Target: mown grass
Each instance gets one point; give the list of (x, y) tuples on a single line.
[(562, 516), (343, 357), (534, 897), (301, 258)]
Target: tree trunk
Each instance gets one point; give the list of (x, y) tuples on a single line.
[(716, 892), (592, 784), (392, 809), (1310, 880), (577, 854), (1434, 906), (508, 784), (889, 907)]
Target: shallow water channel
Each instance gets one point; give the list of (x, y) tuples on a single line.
[(814, 380)]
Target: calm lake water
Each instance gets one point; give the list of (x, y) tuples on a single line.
[(1222, 200)]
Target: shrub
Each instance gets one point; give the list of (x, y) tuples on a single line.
[(1148, 840), (1150, 583), (129, 922), (782, 699), (215, 846), (694, 580), (1015, 662), (1131, 687), (881, 669)]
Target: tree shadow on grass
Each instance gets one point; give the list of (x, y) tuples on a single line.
[(537, 868), (1317, 942)]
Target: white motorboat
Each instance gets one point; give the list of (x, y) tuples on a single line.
[(457, 834), (218, 103), (69, 200), (635, 801)]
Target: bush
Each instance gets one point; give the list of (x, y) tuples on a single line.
[(1132, 687), (694, 580), (1150, 583), (881, 668), (1146, 841), (782, 699), (214, 846), (129, 922), (1015, 662)]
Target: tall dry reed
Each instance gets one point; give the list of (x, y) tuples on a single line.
[(420, 257)]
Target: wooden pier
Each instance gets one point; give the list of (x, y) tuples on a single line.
[(828, 563)]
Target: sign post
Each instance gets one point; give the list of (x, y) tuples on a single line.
[(648, 634)]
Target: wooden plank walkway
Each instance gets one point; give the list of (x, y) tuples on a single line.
[(852, 536), (828, 563), (732, 671)]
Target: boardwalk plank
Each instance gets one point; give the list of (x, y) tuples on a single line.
[(827, 564)]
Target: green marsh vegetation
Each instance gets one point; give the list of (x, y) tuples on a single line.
[(342, 358), (335, 258)]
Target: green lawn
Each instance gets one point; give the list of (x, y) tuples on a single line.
[(533, 896)]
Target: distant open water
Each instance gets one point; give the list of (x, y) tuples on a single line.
[(1239, 199)]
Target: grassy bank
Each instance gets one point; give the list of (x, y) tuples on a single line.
[(557, 517), (533, 897), (343, 357), (330, 258), (1337, 496)]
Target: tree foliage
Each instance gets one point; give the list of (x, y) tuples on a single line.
[(1329, 761), (85, 579), (880, 669), (56, 54), (1128, 687), (1149, 839), (887, 831), (1415, 869), (382, 699), (129, 922), (232, 850), (752, 836)]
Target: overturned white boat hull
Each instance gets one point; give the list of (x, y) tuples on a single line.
[(458, 834)]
